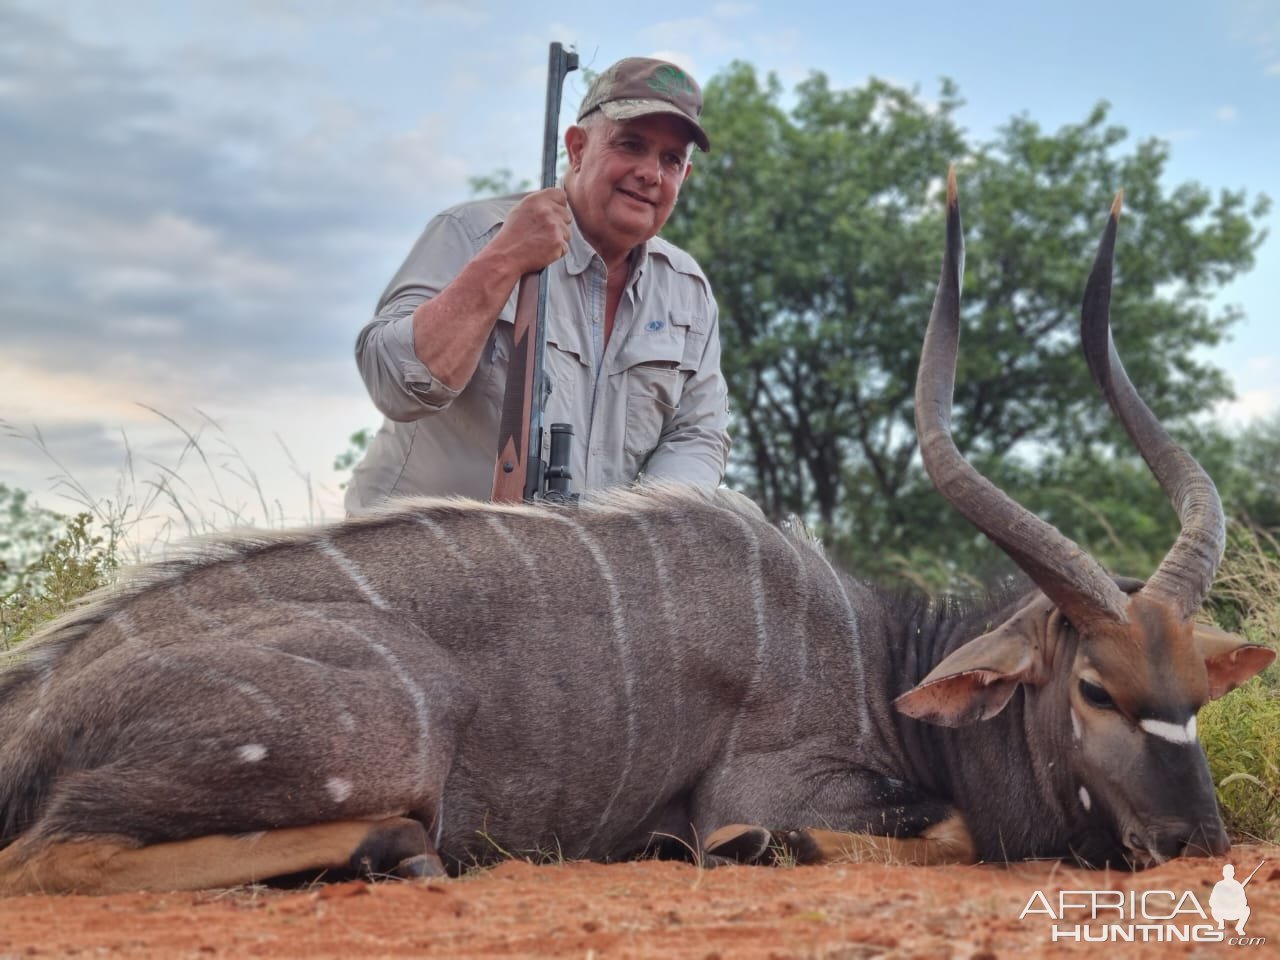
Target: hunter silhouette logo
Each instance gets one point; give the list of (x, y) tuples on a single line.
[(1148, 916), (1228, 900)]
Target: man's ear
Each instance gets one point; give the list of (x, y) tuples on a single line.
[(1230, 660), (977, 681), (575, 140)]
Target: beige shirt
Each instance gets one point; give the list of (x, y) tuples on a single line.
[(650, 403)]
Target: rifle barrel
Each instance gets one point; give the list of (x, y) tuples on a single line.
[(520, 424)]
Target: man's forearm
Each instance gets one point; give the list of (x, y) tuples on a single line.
[(450, 330)]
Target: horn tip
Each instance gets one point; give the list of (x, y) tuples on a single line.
[(1117, 204), (953, 195)]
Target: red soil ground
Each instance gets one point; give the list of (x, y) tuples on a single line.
[(643, 909)]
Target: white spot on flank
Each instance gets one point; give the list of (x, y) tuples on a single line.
[(346, 721), (1170, 731), (351, 570), (423, 766), (251, 752), (1085, 800), (338, 788)]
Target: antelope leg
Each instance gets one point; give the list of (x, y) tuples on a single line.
[(396, 844), (947, 841)]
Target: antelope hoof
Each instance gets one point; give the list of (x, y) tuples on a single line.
[(801, 846), (738, 843), (388, 845), (423, 866)]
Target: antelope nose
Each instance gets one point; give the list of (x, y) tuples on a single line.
[(1207, 840)]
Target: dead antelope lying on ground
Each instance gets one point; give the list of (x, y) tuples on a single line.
[(414, 692)]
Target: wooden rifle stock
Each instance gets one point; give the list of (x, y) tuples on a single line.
[(520, 471)]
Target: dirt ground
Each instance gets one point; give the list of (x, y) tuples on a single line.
[(657, 909)]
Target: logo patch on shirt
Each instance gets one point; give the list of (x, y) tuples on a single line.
[(653, 326)]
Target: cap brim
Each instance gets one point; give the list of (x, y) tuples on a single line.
[(631, 109)]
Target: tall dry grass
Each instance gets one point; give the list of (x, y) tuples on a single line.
[(207, 487)]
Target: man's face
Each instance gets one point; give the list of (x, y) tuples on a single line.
[(624, 177)]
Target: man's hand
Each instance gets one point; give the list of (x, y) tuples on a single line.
[(536, 231), (450, 330)]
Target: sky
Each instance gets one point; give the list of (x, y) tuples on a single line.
[(200, 202)]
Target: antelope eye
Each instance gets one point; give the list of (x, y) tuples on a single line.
[(1096, 696)]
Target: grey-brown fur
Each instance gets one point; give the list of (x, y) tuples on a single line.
[(575, 680)]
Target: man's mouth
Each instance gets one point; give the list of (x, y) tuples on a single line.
[(635, 196)]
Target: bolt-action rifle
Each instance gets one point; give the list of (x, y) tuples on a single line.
[(522, 472)]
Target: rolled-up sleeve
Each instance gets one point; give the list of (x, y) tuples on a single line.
[(694, 446), (399, 383)]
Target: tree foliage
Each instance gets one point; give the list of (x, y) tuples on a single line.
[(26, 529), (820, 227)]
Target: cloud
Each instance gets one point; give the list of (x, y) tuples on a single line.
[(708, 35), (1257, 392), (1227, 113), (172, 222), (203, 219), (1273, 69), (1250, 405), (413, 159)]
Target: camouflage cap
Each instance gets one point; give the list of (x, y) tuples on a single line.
[(640, 87)]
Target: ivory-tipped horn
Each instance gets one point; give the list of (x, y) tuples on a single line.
[(1058, 566), (1186, 573)]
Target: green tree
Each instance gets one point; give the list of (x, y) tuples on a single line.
[(1249, 477), (820, 227)]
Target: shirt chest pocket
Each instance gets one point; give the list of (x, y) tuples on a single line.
[(655, 362)]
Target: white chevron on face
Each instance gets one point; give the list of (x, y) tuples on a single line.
[(1184, 734)]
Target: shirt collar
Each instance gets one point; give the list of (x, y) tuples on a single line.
[(581, 253)]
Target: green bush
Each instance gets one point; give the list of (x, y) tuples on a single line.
[(74, 563), (1241, 732)]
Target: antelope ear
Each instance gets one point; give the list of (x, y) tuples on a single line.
[(1229, 659), (977, 681)]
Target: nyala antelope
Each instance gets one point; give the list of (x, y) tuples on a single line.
[(415, 692)]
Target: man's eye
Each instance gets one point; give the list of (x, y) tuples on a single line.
[(674, 160)]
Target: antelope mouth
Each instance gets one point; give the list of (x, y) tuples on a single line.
[(1141, 853), (1154, 846)]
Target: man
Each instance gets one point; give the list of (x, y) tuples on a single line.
[(633, 347)]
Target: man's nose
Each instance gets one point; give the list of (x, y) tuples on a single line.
[(648, 168)]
